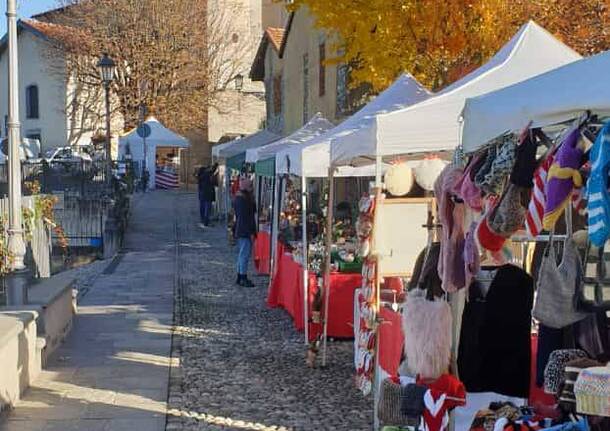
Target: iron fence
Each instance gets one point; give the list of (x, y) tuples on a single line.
[(82, 218), (84, 177)]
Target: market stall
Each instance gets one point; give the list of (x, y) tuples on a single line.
[(263, 159), (152, 151), (563, 114), (312, 160), (431, 126), (524, 361), (232, 157)]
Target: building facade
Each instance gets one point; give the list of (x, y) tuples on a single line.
[(238, 108), (53, 108), (300, 77)]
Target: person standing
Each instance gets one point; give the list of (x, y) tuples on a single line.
[(245, 229), (207, 194)]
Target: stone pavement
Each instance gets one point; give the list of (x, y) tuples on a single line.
[(112, 372), (242, 365)]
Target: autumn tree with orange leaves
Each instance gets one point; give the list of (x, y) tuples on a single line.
[(440, 41)]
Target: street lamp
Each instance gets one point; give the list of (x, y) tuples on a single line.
[(107, 69), (16, 244), (239, 81), (239, 85)]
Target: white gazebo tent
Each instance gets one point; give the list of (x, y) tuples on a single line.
[(433, 125), (312, 159), (241, 145), (561, 95), (145, 150), (316, 126), (232, 155)]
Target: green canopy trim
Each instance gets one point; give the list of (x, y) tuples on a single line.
[(237, 161), (265, 168)]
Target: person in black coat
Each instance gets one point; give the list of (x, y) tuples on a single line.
[(245, 229), (206, 180)]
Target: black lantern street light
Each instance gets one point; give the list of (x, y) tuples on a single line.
[(107, 69), (239, 81)]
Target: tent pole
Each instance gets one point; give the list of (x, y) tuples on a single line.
[(329, 242), (378, 162), (275, 224), (376, 379), (305, 257), (227, 193)]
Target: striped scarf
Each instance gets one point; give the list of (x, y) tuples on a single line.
[(535, 210)]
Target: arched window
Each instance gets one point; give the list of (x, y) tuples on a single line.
[(31, 101)]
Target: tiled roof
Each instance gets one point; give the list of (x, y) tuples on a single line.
[(67, 37), (276, 36)]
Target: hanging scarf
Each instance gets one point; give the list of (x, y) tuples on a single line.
[(563, 177)]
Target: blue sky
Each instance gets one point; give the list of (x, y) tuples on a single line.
[(27, 8)]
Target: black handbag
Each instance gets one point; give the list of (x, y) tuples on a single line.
[(593, 293)]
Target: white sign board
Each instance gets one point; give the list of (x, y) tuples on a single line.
[(400, 234)]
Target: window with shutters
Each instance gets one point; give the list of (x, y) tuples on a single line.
[(277, 95), (342, 93), (322, 70), (31, 101)]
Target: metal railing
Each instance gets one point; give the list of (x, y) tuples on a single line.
[(39, 243), (82, 218)]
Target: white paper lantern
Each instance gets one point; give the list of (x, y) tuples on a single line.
[(399, 179), (427, 171)]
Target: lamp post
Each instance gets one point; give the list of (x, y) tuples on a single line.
[(16, 244), (239, 85), (107, 69), (239, 82)]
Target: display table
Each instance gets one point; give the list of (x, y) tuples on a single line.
[(286, 291), (261, 252)]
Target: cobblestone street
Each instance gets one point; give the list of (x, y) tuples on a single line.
[(243, 364)]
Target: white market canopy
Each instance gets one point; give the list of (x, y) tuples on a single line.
[(434, 124), (314, 127), (313, 158), (238, 146), (557, 96), (160, 136)]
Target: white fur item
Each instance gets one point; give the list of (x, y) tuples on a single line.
[(427, 329), (399, 179)]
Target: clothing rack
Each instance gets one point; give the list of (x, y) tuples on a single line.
[(539, 238)]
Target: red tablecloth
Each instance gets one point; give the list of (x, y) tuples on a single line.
[(286, 291), (261, 253)]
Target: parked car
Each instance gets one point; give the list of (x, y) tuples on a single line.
[(28, 152), (66, 155)]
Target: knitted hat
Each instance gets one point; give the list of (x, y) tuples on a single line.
[(562, 178), (488, 239), (466, 188), (525, 165)]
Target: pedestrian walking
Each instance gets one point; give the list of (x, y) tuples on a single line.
[(245, 229), (206, 180)]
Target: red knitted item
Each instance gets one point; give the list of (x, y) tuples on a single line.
[(488, 239)]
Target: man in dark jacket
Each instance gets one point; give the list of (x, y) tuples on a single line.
[(206, 180), (245, 229)]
